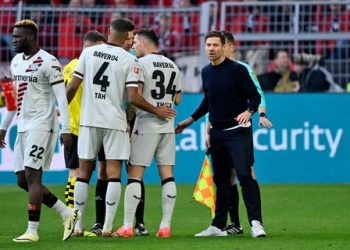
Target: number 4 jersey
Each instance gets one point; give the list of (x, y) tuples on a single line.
[(107, 70), (160, 78)]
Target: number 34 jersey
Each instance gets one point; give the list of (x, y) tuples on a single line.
[(160, 78), (107, 70)]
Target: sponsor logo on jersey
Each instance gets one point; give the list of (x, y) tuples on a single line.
[(25, 78), (136, 70)]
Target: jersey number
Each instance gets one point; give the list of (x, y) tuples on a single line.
[(33, 152), (160, 90), (101, 79)]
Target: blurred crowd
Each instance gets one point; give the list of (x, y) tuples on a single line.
[(61, 34)]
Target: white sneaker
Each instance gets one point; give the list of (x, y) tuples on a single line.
[(69, 224), (211, 231), (257, 229), (27, 237)]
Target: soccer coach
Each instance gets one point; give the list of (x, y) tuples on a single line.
[(231, 98)]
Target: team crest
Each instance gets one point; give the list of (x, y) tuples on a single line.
[(36, 65)]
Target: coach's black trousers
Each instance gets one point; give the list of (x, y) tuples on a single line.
[(235, 146)]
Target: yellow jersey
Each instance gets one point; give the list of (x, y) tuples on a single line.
[(74, 106)]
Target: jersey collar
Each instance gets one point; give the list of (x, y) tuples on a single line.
[(36, 51), (113, 44)]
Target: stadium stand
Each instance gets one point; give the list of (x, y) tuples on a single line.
[(260, 27)]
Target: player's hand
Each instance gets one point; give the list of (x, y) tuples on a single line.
[(264, 122), (166, 112), (66, 140), (184, 124), (2, 138), (243, 117)]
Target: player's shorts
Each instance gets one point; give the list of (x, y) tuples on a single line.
[(116, 143), (71, 158), (146, 146), (34, 149)]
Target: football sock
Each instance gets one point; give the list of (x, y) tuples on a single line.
[(168, 200), (131, 200), (140, 210), (80, 197), (100, 200), (66, 192), (63, 210), (112, 200), (33, 219)]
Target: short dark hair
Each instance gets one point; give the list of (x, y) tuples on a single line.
[(228, 36), (215, 33), (94, 36), (122, 25), (149, 34), (29, 25)]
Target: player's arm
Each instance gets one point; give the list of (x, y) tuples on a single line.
[(263, 120), (73, 86), (4, 126), (55, 77), (178, 89), (136, 99), (177, 99)]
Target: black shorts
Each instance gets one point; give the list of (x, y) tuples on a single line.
[(71, 158), (101, 155)]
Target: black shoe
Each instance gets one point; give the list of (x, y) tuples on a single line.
[(140, 230), (233, 229), (96, 229)]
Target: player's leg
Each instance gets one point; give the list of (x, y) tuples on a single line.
[(132, 198), (100, 194), (140, 229), (165, 158), (139, 159), (89, 142), (49, 199), (112, 195), (72, 163), (117, 148)]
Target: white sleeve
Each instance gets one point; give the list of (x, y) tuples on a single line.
[(60, 94), (80, 69), (133, 70), (7, 120)]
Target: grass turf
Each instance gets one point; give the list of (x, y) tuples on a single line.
[(295, 216)]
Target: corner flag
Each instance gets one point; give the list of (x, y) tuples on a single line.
[(204, 191)]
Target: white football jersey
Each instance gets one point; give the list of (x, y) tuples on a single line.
[(160, 78), (107, 70), (33, 78)]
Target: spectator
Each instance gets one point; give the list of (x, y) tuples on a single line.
[(169, 40), (187, 25), (71, 28), (7, 17), (317, 78), (282, 78)]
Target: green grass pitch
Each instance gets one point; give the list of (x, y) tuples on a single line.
[(295, 216)]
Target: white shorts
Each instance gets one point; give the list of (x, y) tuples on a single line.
[(146, 146), (116, 143), (34, 149)]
